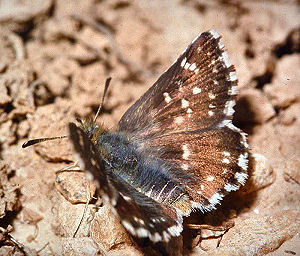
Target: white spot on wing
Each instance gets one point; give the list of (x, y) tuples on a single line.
[(231, 187), (214, 33), (225, 161), (129, 227), (187, 65), (185, 167), (224, 123), (183, 62), (211, 96), (189, 111), (210, 113), (210, 178), (243, 161), (226, 153), (203, 208), (156, 237), (221, 45), (193, 67), (226, 59), (232, 76), (229, 107), (142, 232), (166, 236), (216, 198), (256, 211), (184, 103), (186, 152), (233, 90), (244, 139), (241, 177), (175, 230), (178, 120), (140, 221), (127, 198), (179, 83), (196, 90), (167, 97)]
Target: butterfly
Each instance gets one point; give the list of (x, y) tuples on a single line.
[(175, 150)]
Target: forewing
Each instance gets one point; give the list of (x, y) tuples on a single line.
[(140, 215), (196, 92)]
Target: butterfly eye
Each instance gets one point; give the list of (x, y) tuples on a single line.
[(91, 130)]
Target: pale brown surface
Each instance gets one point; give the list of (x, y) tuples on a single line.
[(54, 61)]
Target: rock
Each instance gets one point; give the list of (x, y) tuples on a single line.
[(73, 185), (83, 246), (4, 97), (23, 11), (9, 200), (292, 170), (107, 231), (261, 174), (256, 235), (284, 89), (69, 218), (127, 251), (30, 216)]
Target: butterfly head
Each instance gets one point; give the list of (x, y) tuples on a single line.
[(91, 128)]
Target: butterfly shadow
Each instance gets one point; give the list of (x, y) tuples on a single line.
[(247, 115)]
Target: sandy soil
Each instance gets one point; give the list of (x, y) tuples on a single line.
[(55, 58)]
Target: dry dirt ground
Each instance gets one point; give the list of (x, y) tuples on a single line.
[(54, 59)]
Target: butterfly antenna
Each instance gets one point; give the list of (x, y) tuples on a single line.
[(103, 97), (35, 141)]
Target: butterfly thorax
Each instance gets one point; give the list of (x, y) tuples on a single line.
[(118, 153)]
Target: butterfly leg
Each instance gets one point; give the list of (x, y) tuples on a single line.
[(72, 167), (228, 225), (88, 199), (217, 232)]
